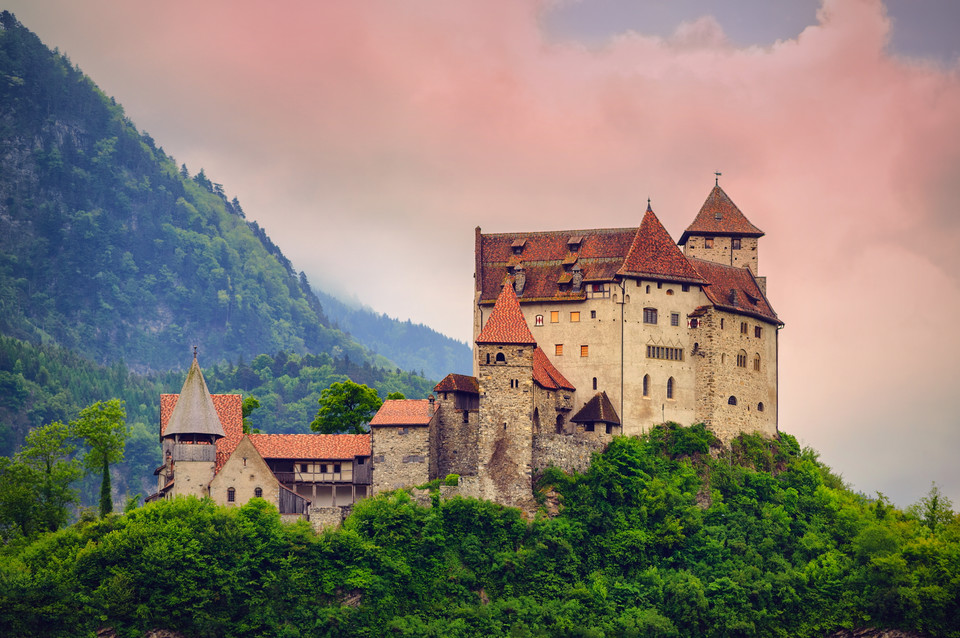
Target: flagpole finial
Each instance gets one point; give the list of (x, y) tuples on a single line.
[(716, 180)]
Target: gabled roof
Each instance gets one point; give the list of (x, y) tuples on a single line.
[(546, 374), (720, 216), (597, 410), (653, 255), (599, 255), (403, 412), (230, 411), (506, 323), (734, 289), (458, 383), (311, 446), (194, 412)]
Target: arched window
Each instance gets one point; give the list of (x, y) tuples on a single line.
[(760, 407), (646, 385), (501, 358), (732, 400), (231, 495), (742, 359), (670, 388), (258, 492), (756, 362), (594, 383), (538, 320), (559, 424)]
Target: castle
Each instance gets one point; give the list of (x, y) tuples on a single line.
[(580, 335)]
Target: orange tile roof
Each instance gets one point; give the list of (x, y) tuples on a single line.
[(600, 254), (229, 409), (311, 446), (458, 383), (506, 323), (546, 374), (720, 216), (734, 289), (403, 412), (653, 254)]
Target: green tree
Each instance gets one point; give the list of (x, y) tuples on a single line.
[(393, 396), (247, 407), (102, 427), (346, 407), (934, 509), (47, 451)]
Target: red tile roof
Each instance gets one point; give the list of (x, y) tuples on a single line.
[(653, 254), (403, 412), (600, 254), (311, 446), (598, 409), (229, 409), (734, 289), (546, 374), (720, 216), (506, 323), (458, 383)]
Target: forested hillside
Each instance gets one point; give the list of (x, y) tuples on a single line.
[(109, 248), (412, 346), (658, 538)]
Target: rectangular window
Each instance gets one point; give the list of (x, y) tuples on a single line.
[(650, 315), (598, 290), (554, 316), (584, 351), (336, 468), (685, 287), (538, 320), (743, 327), (323, 468), (757, 331), (708, 242), (558, 350), (735, 243), (593, 314), (304, 467), (574, 317), (665, 353), (674, 318)]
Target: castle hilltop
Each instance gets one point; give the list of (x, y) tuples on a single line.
[(580, 335)]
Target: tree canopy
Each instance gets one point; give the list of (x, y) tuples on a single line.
[(346, 407)]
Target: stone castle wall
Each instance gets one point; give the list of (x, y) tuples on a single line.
[(454, 441), (719, 377), (505, 438), (723, 253), (401, 456), (569, 453)]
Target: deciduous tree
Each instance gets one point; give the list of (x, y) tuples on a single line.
[(103, 428), (346, 407)]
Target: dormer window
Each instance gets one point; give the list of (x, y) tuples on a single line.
[(574, 243), (518, 245)]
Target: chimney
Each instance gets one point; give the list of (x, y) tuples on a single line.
[(433, 406)]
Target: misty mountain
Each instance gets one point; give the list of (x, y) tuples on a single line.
[(413, 346)]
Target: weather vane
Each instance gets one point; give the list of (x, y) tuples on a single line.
[(716, 180), (194, 353)]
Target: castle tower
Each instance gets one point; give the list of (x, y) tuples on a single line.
[(505, 349), (722, 234), (190, 439)]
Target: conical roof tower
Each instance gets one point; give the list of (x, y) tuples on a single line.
[(720, 217), (195, 413), (653, 255), (506, 324)]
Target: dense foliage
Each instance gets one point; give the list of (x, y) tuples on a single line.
[(658, 538)]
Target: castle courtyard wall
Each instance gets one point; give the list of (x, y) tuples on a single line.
[(400, 456)]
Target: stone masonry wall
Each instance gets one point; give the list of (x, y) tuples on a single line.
[(400, 455), (569, 453), (722, 253), (505, 436), (454, 442), (719, 377)]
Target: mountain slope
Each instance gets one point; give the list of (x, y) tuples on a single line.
[(412, 346), (106, 247)]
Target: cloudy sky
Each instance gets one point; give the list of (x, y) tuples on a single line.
[(370, 138)]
